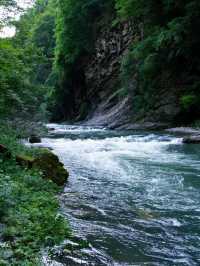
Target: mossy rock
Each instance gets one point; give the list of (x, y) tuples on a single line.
[(48, 163), (25, 161), (51, 167)]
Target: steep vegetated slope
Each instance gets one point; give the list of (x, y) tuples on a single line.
[(120, 62), (107, 62), (26, 62)]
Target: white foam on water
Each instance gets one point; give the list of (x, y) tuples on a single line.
[(103, 153), (114, 156), (58, 128)]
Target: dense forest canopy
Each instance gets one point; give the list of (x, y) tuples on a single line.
[(25, 64), (40, 64), (170, 47)]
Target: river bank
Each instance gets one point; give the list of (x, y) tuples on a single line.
[(29, 206), (184, 130), (121, 201)]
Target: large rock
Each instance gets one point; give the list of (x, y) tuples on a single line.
[(48, 163), (51, 167), (192, 140)]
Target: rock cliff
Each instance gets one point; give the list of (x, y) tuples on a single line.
[(103, 76), (98, 94), (105, 104)]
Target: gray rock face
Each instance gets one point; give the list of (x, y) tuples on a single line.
[(192, 140), (184, 130), (103, 69), (99, 96), (111, 116), (102, 75)]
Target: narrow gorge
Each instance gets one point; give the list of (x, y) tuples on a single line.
[(99, 132)]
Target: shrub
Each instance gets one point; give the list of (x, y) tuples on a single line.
[(28, 210), (188, 101)]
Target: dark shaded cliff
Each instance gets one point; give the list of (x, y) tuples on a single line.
[(108, 104), (111, 101), (99, 95), (138, 71)]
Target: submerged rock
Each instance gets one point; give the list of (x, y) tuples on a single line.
[(34, 139), (192, 140), (51, 128), (51, 167)]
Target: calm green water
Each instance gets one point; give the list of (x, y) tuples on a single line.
[(134, 196)]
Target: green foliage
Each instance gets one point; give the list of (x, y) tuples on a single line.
[(10, 66), (42, 67), (28, 211), (76, 27), (166, 56), (6, 8), (187, 101), (25, 64), (196, 124), (164, 53), (128, 8), (18, 96)]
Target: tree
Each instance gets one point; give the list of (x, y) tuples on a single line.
[(25, 66), (170, 47)]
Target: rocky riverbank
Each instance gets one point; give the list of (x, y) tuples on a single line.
[(190, 135), (184, 130)]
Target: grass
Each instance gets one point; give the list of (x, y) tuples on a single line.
[(29, 218)]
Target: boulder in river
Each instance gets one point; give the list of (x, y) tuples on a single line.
[(34, 139), (192, 140), (51, 128)]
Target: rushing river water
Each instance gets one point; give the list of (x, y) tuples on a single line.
[(134, 196)]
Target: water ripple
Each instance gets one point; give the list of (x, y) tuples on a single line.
[(134, 196)]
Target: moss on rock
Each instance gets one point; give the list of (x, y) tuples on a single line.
[(51, 167), (25, 161), (46, 162)]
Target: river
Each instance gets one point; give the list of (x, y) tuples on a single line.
[(135, 196)]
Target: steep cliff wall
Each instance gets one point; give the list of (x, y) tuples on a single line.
[(108, 104), (130, 74), (102, 75), (98, 95)]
